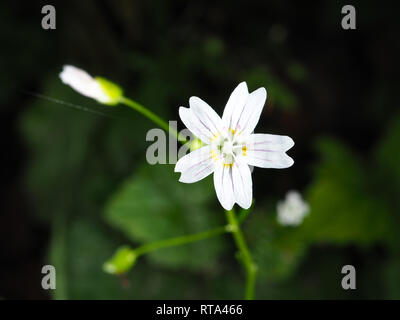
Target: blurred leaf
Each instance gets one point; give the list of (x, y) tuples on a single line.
[(388, 156), (153, 205), (78, 255), (85, 245), (344, 209), (70, 147), (277, 251), (58, 139)]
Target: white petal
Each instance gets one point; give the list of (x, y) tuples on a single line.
[(245, 120), (271, 142), (268, 151), (83, 83), (193, 124), (196, 165), (268, 159), (206, 116), (223, 184), (236, 101), (243, 185)]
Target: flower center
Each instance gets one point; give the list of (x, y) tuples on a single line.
[(227, 148)]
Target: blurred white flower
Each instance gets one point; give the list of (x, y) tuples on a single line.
[(292, 210), (100, 89), (231, 146)]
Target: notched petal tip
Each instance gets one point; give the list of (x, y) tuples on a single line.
[(288, 161), (194, 100), (227, 207), (260, 91), (183, 112), (243, 86), (182, 180), (284, 161), (182, 109), (287, 143)]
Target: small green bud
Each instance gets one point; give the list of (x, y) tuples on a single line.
[(121, 262)]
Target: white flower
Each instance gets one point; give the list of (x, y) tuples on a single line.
[(97, 88), (231, 146), (292, 210)]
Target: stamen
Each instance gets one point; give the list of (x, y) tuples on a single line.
[(213, 155), (244, 150)]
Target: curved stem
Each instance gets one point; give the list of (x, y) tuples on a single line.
[(153, 117), (179, 240), (245, 255)]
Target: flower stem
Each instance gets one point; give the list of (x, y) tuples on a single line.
[(153, 117), (177, 241), (245, 255)]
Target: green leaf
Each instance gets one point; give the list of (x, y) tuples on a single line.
[(345, 208), (388, 157), (70, 147), (58, 140), (78, 252), (152, 205), (277, 251)]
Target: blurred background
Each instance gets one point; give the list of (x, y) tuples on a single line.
[(75, 184)]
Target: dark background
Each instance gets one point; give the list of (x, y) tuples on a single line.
[(334, 91)]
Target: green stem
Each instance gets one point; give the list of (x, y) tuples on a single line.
[(153, 117), (179, 240), (245, 254)]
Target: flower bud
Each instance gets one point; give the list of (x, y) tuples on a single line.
[(100, 89), (121, 262)]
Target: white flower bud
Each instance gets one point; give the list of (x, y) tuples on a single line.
[(99, 89)]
